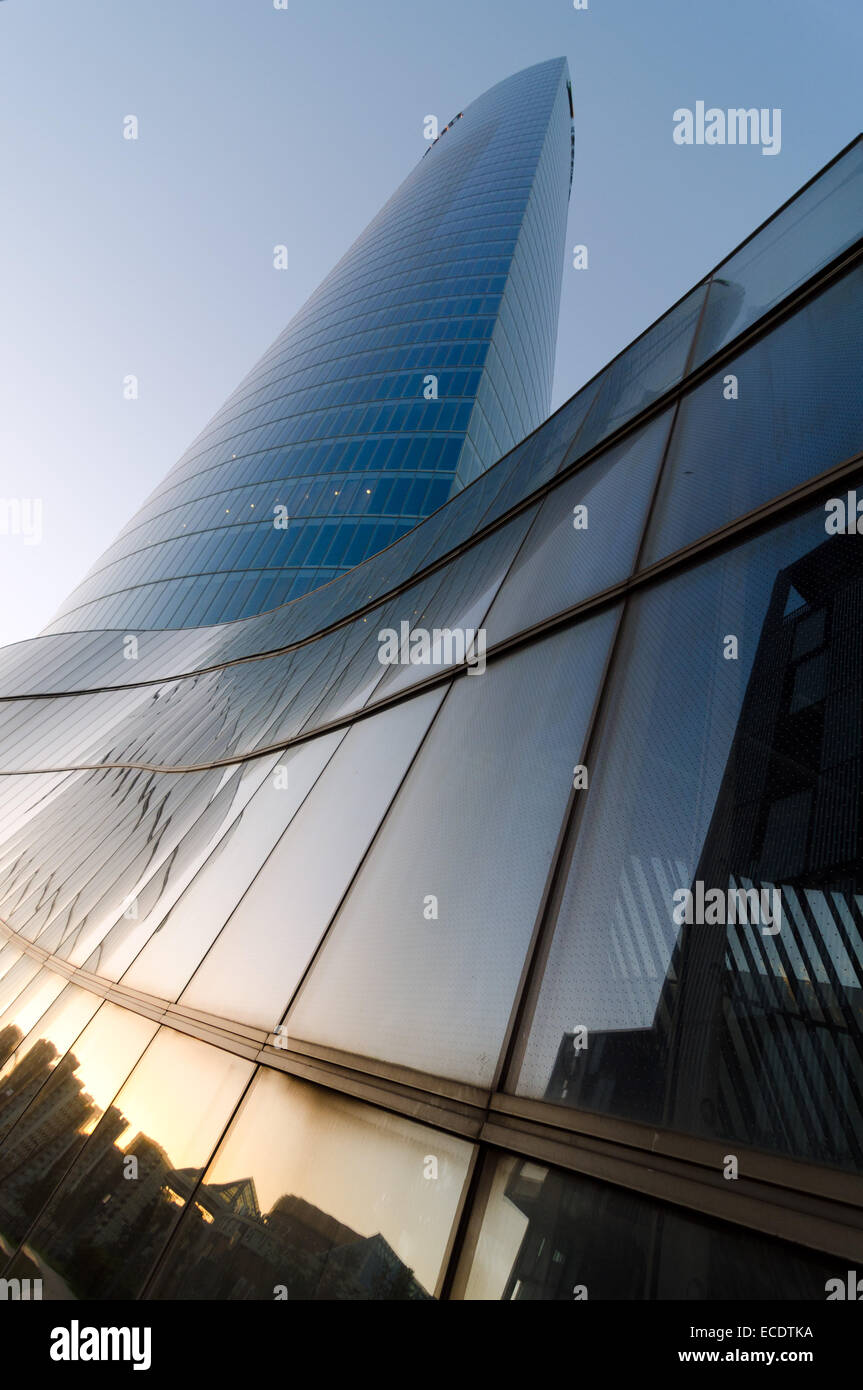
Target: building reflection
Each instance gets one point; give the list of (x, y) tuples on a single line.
[(231, 1250), (759, 1037), (119, 1208), (584, 1239)]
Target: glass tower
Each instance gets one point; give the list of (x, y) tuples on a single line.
[(424, 356)]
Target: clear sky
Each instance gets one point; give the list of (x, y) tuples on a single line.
[(260, 126)]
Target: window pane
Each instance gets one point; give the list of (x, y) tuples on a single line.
[(175, 951), (31, 1004), (454, 603), (47, 1041), (421, 966), (811, 232), (69, 1098), (650, 366), (542, 455), (16, 980), (799, 411), (150, 907), (315, 1196), (738, 1015), (9, 954), (571, 553), (555, 1236), (258, 961), (109, 1219)]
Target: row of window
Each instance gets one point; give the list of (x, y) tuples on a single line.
[(123, 1173)]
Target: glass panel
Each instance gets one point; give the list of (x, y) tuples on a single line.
[(54, 1106), (94, 846), (149, 908), (350, 683), (315, 1196), (109, 1219), (710, 937), (9, 954), (438, 623), (820, 223), (548, 1235), (174, 952), (31, 1004), (542, 455), (798, 411), (640, 375), (45, 1044), (585, 536), (423, 960), (17, 979), (257, 962)]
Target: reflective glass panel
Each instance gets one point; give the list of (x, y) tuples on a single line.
[(585, 536), (48, 1041), (815, 228), (548, 1235), (640, 375), (798, 410), (257, 962), (31, 1003), (54, 1103), (710, 936), (173, 953), (118, 1203), (423, 959), (312, 1195)]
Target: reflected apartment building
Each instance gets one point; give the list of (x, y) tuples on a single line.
[(324, 977)]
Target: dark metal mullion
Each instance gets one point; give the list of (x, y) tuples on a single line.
[(469, 1228), (476, 1184)]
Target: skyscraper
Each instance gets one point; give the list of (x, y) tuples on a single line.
[(426, 354)]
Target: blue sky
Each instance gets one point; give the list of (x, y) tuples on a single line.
[(258, 127)]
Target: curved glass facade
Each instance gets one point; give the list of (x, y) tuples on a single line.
[(359, 949), (424, 356)]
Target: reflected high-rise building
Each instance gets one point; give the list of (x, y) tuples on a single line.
[(424, 356), (783, 1003)]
